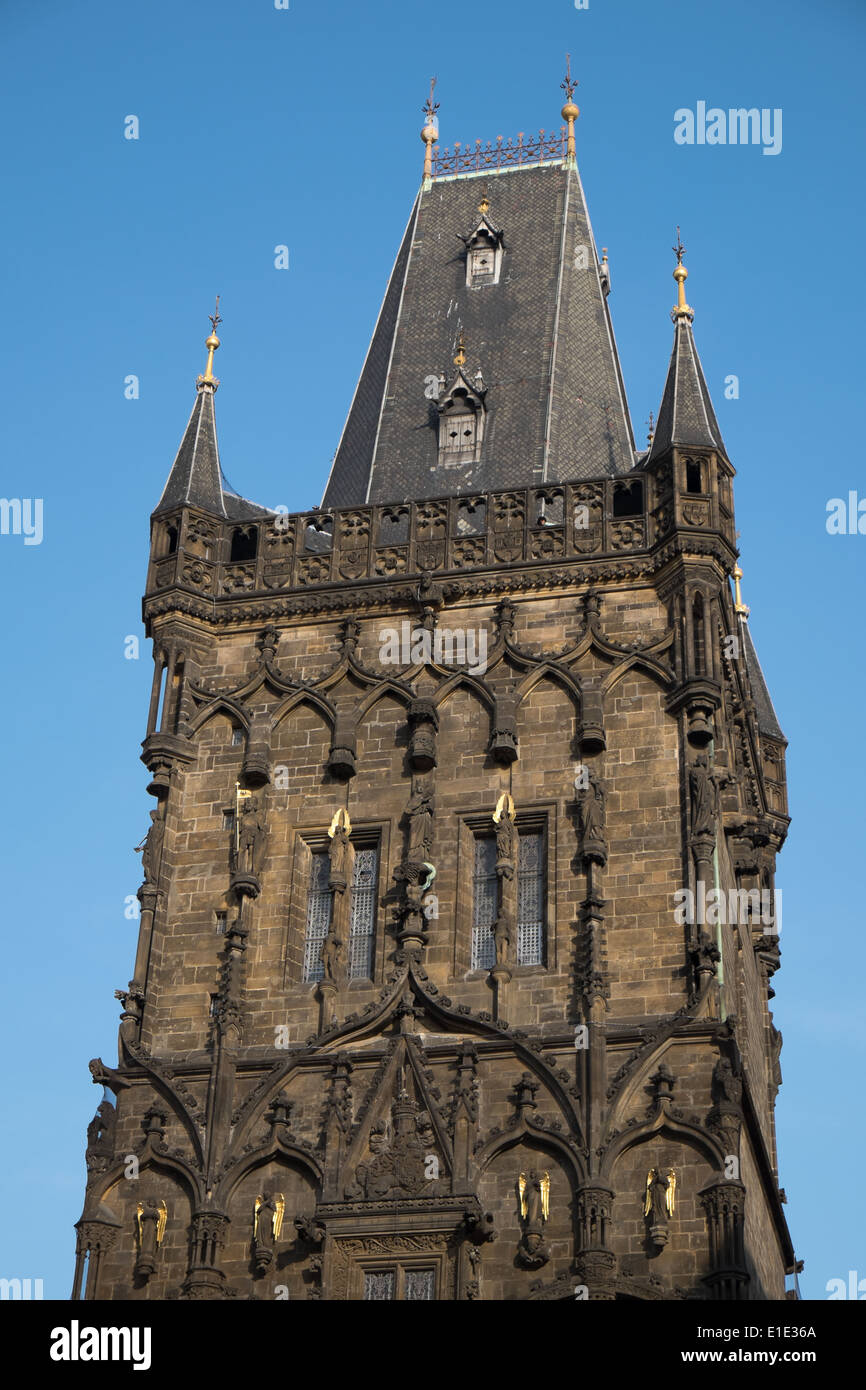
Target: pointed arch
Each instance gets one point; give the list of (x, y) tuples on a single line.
[(248, 1162), (654, 669), (233, 710), (558, 675), (472, 683), (385, 687), (664, 1126), (319, 703)]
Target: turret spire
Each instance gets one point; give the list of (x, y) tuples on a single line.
[(686, 416), (196, 477)]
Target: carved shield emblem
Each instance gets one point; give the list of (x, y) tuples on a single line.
[(430, 554), (353, 563), (508, 545), (587, 538)]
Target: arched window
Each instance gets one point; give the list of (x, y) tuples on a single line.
[(628, 499), (245, 544), (362, 913), (694, 476)]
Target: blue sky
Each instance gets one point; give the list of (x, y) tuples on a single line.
[(259, 128)]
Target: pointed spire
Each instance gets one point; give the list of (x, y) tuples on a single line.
[(686, 416), (768, 722), (196, 478), (430, 133), (570, 111)]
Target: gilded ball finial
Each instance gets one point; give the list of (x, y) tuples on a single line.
[(212, 342), (681, 309), (460, 355), (430, 133), (570, 110)]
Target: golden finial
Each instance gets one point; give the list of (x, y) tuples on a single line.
[(739, 607), (570, 111), (211, 344), (651, 428), (681, 308), (460, 355), (430, 133), (484, 205)]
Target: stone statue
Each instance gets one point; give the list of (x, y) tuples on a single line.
[(534, 1201), (331, 956), (591, 810), (506, 846), (252, 834), (659, 1203), (267, 1224), (151, 852), (420, 811), (503, 938), (338, 856), (703, 797), (729, 1087), (151, 1216)]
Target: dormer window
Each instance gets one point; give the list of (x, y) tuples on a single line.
[(461, 416), (458, 433), (483, 250)]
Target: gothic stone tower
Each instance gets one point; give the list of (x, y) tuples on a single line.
[(420, 1009)]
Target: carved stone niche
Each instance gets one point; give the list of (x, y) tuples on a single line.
[(592, 735), (341, 758), (503, 744), (424, 726)]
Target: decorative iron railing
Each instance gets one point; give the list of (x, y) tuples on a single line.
[(464, 159)]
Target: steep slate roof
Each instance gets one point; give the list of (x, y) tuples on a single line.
[(686, 415), (767, 722), (541, 337), (196, 478)]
